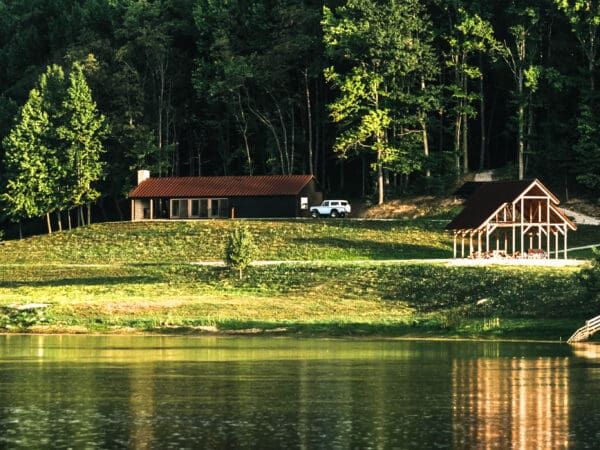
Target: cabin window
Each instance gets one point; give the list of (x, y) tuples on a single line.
[(203, 207), (195, 207), (183, 208), (174, 208)]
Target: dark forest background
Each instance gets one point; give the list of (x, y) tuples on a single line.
[(232, 87)]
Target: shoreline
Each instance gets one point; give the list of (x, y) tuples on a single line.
[(545, 332)]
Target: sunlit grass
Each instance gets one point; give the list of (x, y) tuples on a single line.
[(398, 299), (203, 241), (116, 277)]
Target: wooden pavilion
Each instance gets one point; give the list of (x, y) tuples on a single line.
[(518, 219)]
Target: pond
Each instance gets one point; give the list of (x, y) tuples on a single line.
[(251, 392)]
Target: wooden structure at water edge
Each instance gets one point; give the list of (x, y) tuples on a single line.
[(519, 219), (591, 327)]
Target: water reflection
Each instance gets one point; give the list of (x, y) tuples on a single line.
[(157, 392), (511, 403)]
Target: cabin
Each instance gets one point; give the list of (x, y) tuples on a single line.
[(223, 197), (519, 219)]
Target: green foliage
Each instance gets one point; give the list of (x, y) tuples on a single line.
[(12, 318), (588, 149), (590, 279), (52, 153), (211, 87), (81, 131), (32, 155), (239, 250), (382, 98)]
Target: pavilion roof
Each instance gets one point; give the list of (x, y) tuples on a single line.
[(490, 197)]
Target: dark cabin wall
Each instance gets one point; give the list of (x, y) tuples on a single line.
[(268, 206)]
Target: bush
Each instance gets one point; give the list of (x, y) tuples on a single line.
[(240, 249), (590, 279), (12, 317)]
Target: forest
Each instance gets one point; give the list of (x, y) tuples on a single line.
[(374, 97)]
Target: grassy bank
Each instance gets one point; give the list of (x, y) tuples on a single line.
[(137, 277), (351, 299)]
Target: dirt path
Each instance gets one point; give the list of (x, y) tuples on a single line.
[(581, 218)]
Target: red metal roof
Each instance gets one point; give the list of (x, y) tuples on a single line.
[(243, 186)]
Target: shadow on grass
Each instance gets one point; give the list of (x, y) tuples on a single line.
[(88, 281), (375, 250), (554, 330)]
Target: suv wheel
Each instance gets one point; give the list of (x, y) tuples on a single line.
[(343, 214), (334, 213), (314, 214)]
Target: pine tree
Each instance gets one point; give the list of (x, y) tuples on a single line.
[(31, 153), (81, 134), (239, 249)]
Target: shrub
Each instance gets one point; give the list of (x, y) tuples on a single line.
[(590, 279), (12, 317), (240, 249)]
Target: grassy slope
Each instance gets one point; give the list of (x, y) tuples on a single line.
[(111, 276)]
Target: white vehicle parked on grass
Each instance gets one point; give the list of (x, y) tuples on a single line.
[(331, 208)]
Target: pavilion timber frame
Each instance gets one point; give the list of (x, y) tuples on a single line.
[(518, 219)]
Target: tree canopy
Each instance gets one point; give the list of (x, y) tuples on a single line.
[(419, 91)]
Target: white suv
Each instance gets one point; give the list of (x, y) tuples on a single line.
[(331, 208)]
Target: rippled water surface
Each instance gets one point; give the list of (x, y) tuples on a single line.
[(220, 392)]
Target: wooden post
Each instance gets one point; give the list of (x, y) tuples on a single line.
[(132, 210), (531, 240), (462, 245), (487, 240), (151, 208), (454, 247), (522, 226), (479, 243), (233, 213), (566, 229), (514, 229), (556, 243), (470, 243), (548, 239)]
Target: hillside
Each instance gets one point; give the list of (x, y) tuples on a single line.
[(137, 277)]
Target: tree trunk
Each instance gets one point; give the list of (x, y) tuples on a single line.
[(520, 125), (20, 231), (69, 219), (457, 127), (48, 224), (58, 220), (285, 139), (243, 125), (423, 120), (465, 146), (379, 179), (89, 213), (482, 143), (118, 206), (309, 125)]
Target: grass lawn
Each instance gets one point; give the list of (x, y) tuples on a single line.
[(134, 276)]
